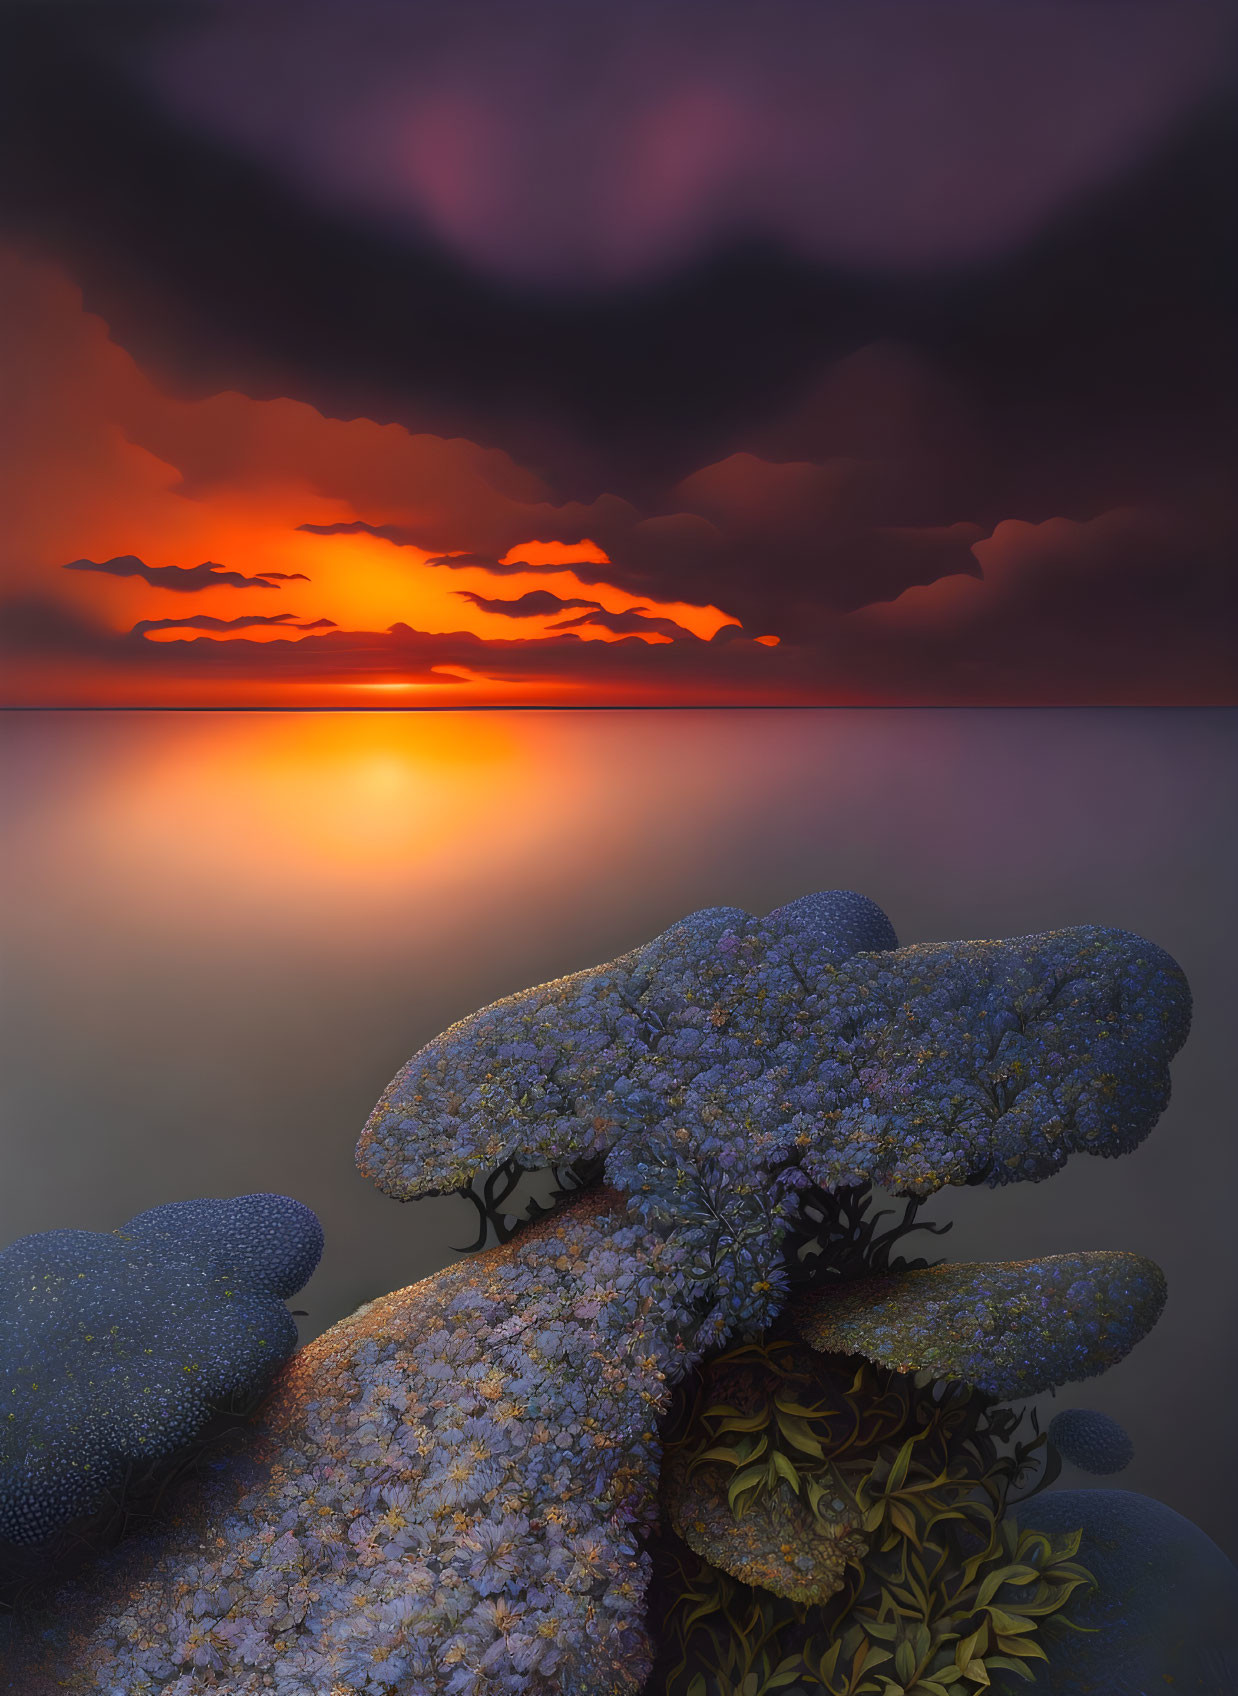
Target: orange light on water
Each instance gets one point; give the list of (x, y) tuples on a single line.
[(292, 797)]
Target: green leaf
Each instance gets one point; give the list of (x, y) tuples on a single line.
[(700, 1612), (898, 1472), (744, 1422), (1067, 1588), (1005, 1664), (796, 1409), (990, 1586), (1010, 1623), (1021, 1646), (746, 1480), (903, 1520), (799, 1434), (786, 1470), (732, 1457), (967, 1649), (829, 1661)]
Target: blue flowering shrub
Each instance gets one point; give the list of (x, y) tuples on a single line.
[(450, 1492), (117, 1349), (553, 1469)]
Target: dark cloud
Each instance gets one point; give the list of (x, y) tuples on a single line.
[(904, 481), (484, 562), (399, 535), (568, 530), (39, 628), (215, 277), (635, 622), (782, 544), (774, 544), (203, 621), (185, 579), (537, 603), (1135, 605), (36, 626), (217, 274), (410, 536), (624, 669)]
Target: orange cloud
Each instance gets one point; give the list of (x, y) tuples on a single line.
[(139, 492), (228, 551)]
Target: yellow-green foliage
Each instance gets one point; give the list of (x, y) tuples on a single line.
[(939, 1590)]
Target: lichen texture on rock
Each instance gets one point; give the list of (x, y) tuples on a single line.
[(1091, 1441), (1010, 1328), (1161, 1614)]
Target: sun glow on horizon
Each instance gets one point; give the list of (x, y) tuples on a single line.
[(149, 483), (361, 582)]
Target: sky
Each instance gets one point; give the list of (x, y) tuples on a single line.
[(431, 354)]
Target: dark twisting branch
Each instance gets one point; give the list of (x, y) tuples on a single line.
[(499, 1224), (837, 1236)]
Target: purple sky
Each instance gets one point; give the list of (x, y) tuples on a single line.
[(566, 142)]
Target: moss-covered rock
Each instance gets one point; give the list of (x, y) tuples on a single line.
[(1162, 1618)]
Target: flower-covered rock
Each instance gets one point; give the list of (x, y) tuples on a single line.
[(116, 1348), (448, 1493), (1091, 1441), (842, 922), (271, 1243), (732, 1061), (1010, 1328)]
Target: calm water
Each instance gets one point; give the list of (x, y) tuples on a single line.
[(222, 933)]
